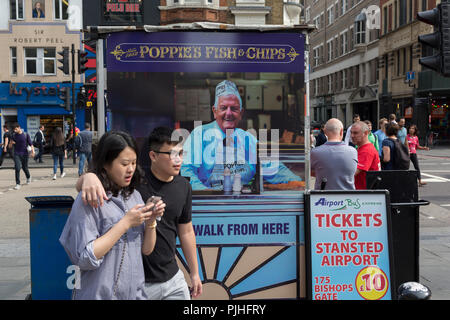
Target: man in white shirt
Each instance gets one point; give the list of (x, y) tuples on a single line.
[(348, 140)]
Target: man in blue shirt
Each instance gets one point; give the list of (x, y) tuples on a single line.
[(221, 144), (380, 134), (401, 134)]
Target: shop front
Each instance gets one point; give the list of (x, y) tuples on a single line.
[(32, 104)]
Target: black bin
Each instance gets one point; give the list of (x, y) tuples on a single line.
[(402, 187)]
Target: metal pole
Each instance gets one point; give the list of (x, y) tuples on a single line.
[(100, 89), (307, 117), (73, 101)]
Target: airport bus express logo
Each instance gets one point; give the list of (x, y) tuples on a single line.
[(336, 205)]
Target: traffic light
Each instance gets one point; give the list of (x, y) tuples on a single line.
[(439, 40), (64, 61), (82, 60), (65, 96)]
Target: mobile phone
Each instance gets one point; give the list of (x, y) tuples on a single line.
[(155, 200)]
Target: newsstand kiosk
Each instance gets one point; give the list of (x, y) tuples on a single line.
[(248, 210)]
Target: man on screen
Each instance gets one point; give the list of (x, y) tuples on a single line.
[(220, 145)]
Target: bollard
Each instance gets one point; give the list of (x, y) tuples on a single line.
[(413, 291)]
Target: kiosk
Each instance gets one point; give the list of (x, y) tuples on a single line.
[(248, 181)]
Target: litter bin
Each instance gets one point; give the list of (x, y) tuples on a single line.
[(50, 272), (402, 187)]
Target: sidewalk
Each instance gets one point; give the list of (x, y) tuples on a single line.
[(8, 163)]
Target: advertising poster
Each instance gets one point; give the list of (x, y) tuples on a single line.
[(236, 100), (349, 251)]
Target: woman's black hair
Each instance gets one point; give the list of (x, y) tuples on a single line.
[(109, 147)]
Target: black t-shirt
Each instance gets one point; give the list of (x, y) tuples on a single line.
[(161, 265)]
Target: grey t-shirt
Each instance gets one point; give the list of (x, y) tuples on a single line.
[(335, 161)]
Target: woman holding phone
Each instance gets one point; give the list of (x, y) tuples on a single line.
[(107, 242)]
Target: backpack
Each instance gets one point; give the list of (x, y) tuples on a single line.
[(78, 142), (401, 155)]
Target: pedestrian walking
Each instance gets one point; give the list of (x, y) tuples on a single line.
[(347, 139), (372, 138), (368, 159), (334, 161), (164, 279), (107, 243), (22, 145), (413, 144), (39, 142), (59, 151), (401, 134), (321, 137), (381, 134), (7, 145), (388, 146), (83, 143)]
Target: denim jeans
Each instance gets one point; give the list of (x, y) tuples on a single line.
[(21, 162), (55, 163), (83, 157)]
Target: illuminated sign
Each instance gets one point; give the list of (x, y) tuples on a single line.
[(123, 10)]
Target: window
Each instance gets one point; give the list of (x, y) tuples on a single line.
[(352, 38), (330, 15), (40, 61), (336, 47), (307, 14), (344, 79), (343, 6), (330, 81), (60, 9), (345, 42), (13, 61), (360, 27), (329, 50), (316, 56), (385, 20), (16, 7)]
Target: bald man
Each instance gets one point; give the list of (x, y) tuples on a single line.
[(368, 159), (334, 160)]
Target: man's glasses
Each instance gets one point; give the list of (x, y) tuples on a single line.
[(172, 153)]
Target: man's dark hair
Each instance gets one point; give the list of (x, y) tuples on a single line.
[(15, 125), (109, 147), (159, 136), (87, 125), (392, 129)]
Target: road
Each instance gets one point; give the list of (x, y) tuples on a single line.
[(435, 168)]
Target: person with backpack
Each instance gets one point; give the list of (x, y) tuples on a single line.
[(395, 155), (59, 151)]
